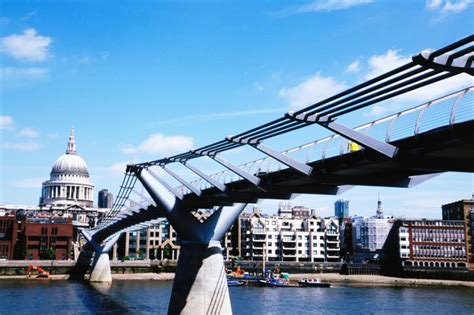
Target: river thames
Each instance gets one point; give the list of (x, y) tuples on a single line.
[(151, 297)]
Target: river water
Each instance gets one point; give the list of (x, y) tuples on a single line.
[(151, 297)]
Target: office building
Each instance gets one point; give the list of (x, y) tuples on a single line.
[(427, 244), (341, 209), (159, 241), (105, 199)]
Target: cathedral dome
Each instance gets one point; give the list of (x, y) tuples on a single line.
[(70, 163), (69, 182)]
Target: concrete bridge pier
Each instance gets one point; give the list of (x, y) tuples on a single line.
[(200, 284), (100, 269)]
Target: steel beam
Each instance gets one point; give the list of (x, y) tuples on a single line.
[(283, 158), (351, 134), (362, 139), (319, 189), (176, 193), (183, 181), (148, 199), (249, 177), (418, 179), (206, 177)]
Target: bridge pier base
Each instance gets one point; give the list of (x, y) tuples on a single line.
[(101, 271), (200, 284)]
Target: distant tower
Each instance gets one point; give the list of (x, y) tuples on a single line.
[(106, 199), (341, 209), (379, 214)]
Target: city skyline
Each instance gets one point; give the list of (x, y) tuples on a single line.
[(167, 82)]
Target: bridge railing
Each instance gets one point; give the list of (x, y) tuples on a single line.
[(448, 110)]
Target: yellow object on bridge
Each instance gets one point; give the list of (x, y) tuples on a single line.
[(353, 146)]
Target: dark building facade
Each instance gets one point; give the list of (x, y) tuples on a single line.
[(8, 235), (463, 210), (106, 199)]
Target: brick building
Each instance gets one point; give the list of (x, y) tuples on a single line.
[(463, 210), (41, 234)]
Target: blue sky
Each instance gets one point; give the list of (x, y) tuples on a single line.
[(142, 80)]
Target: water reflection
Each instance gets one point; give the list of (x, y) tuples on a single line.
[(151, 297)]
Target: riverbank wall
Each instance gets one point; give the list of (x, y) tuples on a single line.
[(161, 270), (66, 267), (62, 267)]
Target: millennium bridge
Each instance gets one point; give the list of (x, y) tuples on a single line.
[(399, 150)]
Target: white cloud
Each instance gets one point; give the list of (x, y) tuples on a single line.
[(28, 133), (119, 167), (34, 182), (332, 5), (353, 67), (21, 146), (4, 20), (379, 64), (160, 144), (455, 7), (28, 46), (322, 6), (6, 122), (448, 7), (433, 4), (15, 73), (52, 136), (28, 16), (314, 89), (258, 86)]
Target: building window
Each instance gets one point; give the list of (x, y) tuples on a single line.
[(44, 231), (54, 231)]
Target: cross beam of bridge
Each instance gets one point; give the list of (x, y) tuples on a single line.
[(404, 155)]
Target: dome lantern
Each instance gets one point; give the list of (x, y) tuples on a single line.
[(71, 145)]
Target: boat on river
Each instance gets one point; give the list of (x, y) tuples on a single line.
[(276, 282), (315, 283)]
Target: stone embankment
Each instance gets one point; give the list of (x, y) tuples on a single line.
[(163, 270), (376, 281)]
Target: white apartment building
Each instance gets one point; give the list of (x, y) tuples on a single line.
[(286, 238)]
